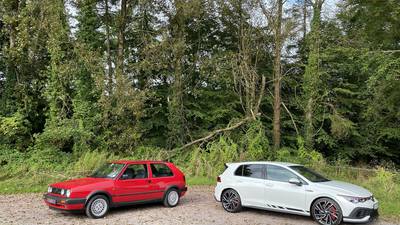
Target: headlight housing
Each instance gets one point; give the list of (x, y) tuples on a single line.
[(68, 193), (62, 191), (49, 189), (355, 199)]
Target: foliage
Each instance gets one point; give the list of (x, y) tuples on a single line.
[(143, 80)]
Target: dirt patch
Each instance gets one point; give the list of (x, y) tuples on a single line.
[(196, 207)]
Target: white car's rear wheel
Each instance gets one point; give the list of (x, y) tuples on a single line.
[(326, 212), (230, 200)]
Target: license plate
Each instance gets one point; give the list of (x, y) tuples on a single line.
[(375, 205), (50, 200)]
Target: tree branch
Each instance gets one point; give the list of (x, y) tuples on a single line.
[(212, 134), (291, 117)]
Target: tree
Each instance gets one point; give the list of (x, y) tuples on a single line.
[(312, 74)]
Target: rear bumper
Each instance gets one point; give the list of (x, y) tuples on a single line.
[(183, 191), (60, 203)]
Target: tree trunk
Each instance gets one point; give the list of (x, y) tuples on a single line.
[(304, 19), (176, 117), (312, 75), (277, 78), (119, 71), (108, 49)]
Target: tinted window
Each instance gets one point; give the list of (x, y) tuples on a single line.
[(135, 171), (309, 174), (161, 170), (253, 170), (239, 171), (277, 173)]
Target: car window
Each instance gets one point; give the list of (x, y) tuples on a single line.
[(309, 174), (251, 170), (239, 171), (161, 170), (108, 170), (277, 173), (135, 171)]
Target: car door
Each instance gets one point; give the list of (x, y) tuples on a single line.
[(162, 177), (133, 185), (281, 194), (250, 183)]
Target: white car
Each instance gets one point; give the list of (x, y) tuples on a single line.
[(293, 188)]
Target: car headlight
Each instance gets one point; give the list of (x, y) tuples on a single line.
[(62, 191), (68, 193), (49, 189), (355, 199)]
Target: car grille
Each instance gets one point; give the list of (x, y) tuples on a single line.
[(56, 190)]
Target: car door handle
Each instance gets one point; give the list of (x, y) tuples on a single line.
[(148, 181), (269, 185)]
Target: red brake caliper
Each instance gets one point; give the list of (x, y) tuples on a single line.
[(333, 212)]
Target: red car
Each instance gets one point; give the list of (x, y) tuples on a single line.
[(119, 183)]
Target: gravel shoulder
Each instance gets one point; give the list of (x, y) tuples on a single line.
[(196, 207)]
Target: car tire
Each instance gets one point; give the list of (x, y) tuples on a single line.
[(171, 198), (326, 211), (97, 207), (231, 201)]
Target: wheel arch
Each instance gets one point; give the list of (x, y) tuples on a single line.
[(105, 193), (228, 188), (169, 188), (322, 196)]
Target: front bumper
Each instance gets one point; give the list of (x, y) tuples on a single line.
[(61, 203), (361, 215)]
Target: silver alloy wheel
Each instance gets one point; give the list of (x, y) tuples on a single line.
[(173, 198), (99, 207), (326, 213), (230, 200)]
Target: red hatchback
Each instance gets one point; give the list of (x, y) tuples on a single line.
[(119, 183)]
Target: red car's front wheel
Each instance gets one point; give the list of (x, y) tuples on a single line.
[(97, 207)]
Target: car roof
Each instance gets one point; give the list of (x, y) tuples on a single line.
[(268, 162), (124, 161)]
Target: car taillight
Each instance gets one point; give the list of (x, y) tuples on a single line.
[(184, 178), (218, 179)]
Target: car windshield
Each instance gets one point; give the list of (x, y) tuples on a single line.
[(309, 174), (108, 170)]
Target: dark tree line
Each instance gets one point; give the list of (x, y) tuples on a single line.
[(113, 75)]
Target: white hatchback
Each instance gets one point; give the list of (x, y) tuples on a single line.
[(293, 188)]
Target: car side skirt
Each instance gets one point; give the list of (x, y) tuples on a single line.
[(281, 209), (118, 204)]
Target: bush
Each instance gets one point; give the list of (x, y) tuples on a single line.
[(89, 161)]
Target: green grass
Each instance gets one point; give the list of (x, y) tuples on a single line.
[(201, 181)]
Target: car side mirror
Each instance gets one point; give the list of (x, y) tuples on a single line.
[(124, 177), (295, 181)]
